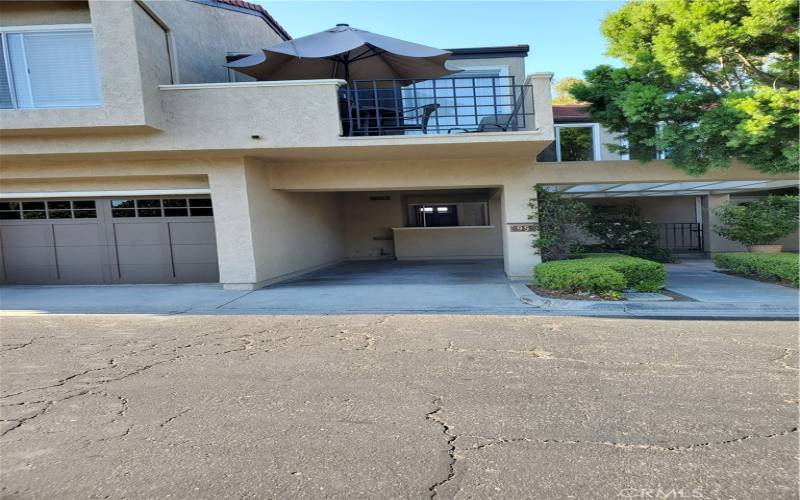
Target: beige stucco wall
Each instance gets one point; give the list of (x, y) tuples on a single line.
[(468, 242), (205, 34), (36, 13), (514, 66), (103, 184), (120, 79), (369, 227), (133, 59)]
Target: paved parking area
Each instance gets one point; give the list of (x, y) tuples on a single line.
[(407, 406), (418, 287)]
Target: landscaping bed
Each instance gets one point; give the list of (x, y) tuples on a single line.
[(599, 275), (775, 267)]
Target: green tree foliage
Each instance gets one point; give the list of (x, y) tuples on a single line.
[(759, 223), (706, 81), (561, 93)]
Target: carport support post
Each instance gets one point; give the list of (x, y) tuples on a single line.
[(233, 226), (519, 256)]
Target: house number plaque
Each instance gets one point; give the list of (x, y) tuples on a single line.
[(521, 228)]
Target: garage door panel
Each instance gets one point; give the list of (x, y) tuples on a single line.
[(77, 234), (133, 273), (142, 233), (80, 274), (86, 256), (29, 256), (29, 235), (143, 254), (31, 274), (196, 273), (194, 254), (190, 233)]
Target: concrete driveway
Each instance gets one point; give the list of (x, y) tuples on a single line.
[(396, 407), (476, 286)]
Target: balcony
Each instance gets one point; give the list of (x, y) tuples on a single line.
[(435, 107)]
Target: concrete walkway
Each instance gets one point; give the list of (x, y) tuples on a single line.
[(700, 280), (429, 287)]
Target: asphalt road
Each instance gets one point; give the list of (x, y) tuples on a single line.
[(397, 407)]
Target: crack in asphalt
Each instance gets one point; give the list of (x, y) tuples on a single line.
[(172, 418), (433, 416), (639, 446)]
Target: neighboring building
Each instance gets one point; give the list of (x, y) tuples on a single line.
[(130, 154), (683, 211)]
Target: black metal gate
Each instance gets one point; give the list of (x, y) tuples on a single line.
[(683, 236)]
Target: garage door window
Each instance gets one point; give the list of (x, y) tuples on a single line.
[(167, 207), (58, 209)]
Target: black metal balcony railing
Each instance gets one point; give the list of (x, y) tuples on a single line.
[(685, 236), (442, 106)]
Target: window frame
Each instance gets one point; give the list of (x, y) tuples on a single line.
[(596, 156), (40, 28)]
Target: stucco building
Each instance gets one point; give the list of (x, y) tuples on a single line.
[(129, 153)]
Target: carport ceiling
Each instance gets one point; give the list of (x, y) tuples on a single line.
[(691, 188)]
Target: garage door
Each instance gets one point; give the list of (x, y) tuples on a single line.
[(88, 241)]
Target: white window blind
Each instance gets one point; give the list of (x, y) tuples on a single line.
[(53, 69)]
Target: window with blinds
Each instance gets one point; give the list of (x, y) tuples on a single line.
[(49, 69)]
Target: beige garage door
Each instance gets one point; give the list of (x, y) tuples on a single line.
[(89, 241)]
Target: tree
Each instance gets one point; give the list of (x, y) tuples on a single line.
[(561, 91), (705, 81)]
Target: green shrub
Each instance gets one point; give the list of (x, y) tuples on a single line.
[(640, 274), (579, 275), (760, 222), (783, 267), (626, 232), (601, 274)]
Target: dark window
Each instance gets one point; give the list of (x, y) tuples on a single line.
[(34, 214), (59, 214), (85, 214), (201, 207), (122, 212), (9, 205), (83, 204), (58, 205), (32, 205), (122, 204), (148, 203), (8, 215), (435, 215)]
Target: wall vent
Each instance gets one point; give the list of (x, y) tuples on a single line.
[(380, 198)]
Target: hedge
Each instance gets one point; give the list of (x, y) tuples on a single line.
[(782, 267), (601, 274)]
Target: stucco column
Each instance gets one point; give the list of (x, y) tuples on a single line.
[(713, 242), (542, 101), (233, 226), (518, 253)]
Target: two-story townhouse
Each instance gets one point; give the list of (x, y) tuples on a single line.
[(129, 153)]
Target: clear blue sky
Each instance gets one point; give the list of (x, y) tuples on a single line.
[(564, 35)]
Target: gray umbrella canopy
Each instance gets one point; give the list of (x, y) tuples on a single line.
[(346, 53)]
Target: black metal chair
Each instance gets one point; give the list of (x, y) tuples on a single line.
[(503, 122)]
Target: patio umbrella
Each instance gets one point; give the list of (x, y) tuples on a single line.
[(346, 53)]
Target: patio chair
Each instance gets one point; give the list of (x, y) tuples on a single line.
[(502, 122)]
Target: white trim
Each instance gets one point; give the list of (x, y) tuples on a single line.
[(103, 194), (46, 27), (279, 83)]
